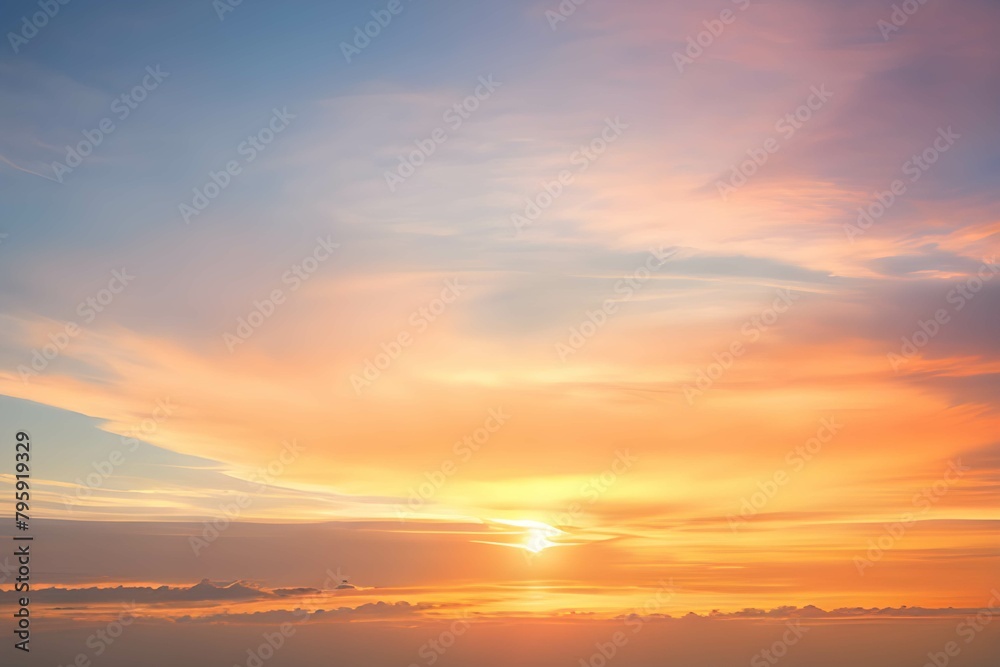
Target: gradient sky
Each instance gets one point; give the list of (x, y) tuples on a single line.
[(614, 452)]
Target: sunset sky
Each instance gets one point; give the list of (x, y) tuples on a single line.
[(508, 308)]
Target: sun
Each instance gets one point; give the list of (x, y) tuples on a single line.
[(535, 535), (537, 538)]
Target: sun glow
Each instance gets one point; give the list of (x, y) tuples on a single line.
[(536, 536), (538, 540)]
